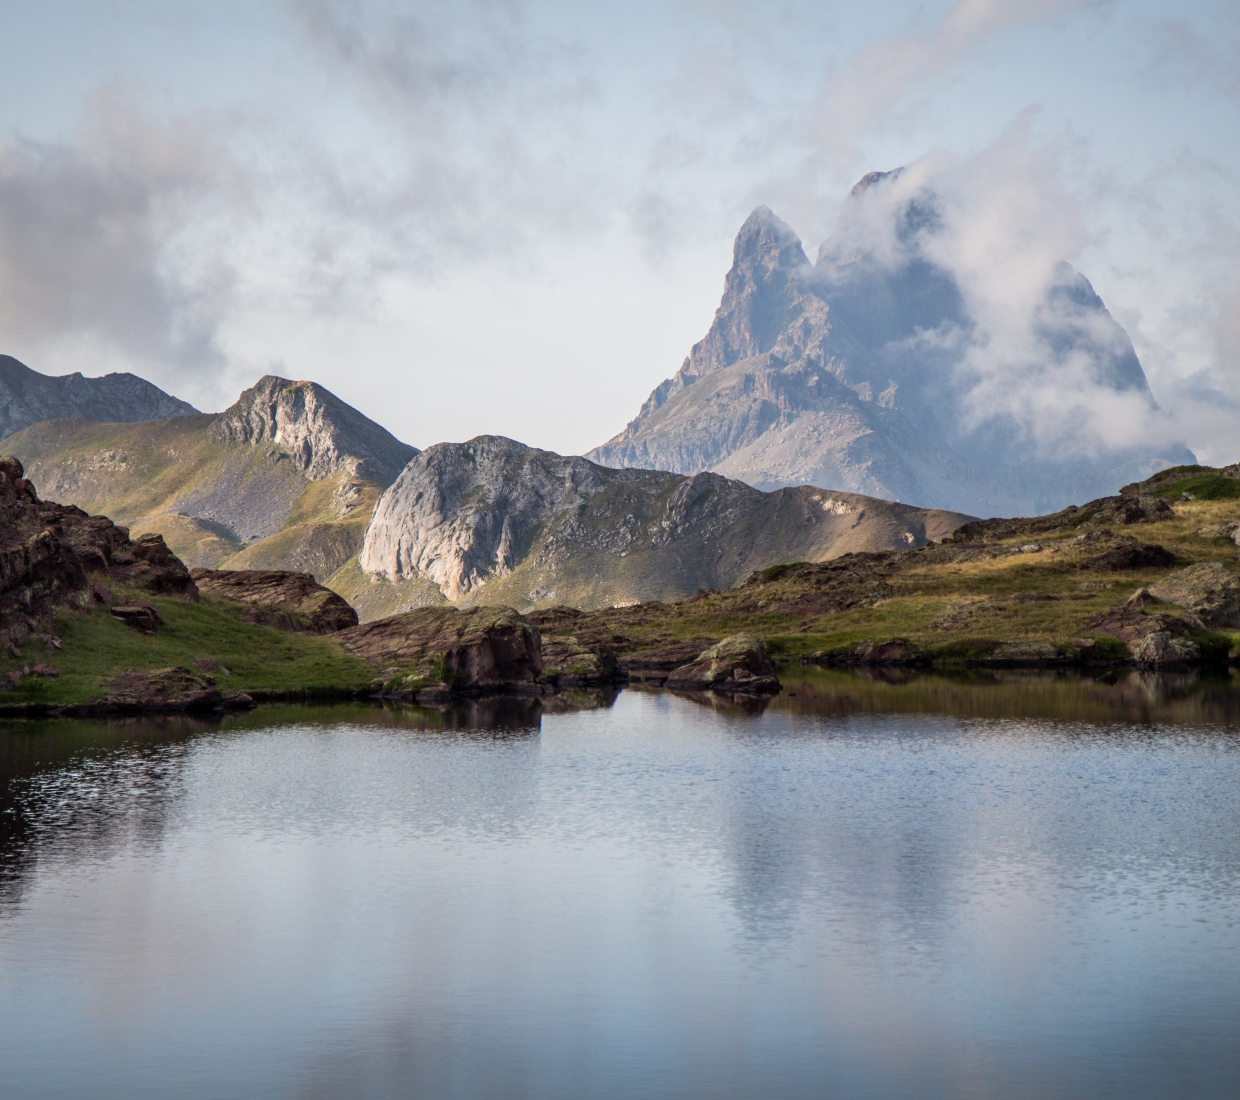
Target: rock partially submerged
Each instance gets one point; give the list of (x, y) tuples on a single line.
[(286, 601), (479, 649), (739, 663)]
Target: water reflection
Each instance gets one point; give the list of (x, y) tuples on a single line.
[(1127, 696), (867, 886)]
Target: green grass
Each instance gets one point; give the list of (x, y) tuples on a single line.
[(96, 647), (1203, 487)]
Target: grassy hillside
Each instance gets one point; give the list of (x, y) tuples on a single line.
[(217, 505), (96, 647), (953, 602)]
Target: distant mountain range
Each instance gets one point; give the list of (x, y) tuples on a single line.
[(290, 477), (823, 374), (27, 397)]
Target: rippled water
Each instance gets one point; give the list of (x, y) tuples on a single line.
[(655, 898)]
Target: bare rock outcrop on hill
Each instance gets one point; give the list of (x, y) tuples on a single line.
[(28, 397), (495, 519), (286, 601), (48, 553), (320, 432), (482, 648), (848, 374)]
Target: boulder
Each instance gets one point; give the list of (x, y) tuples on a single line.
[(159, 691), (1127, 553), (568, 663), (1207, 591), (479, 649), (141, 616), (286, 601), (738, 663), (1164, 650)]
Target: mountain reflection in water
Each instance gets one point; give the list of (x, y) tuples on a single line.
[(1017, 885)]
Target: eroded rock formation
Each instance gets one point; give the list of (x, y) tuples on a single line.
[(286, 601), (48, 553)]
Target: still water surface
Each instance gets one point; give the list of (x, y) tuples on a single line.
[(654, 898)]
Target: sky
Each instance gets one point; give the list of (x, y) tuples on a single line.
[(515, 218)]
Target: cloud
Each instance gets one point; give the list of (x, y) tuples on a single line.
[(871, 83), (95, 238), (1034, 353), (479, 113)]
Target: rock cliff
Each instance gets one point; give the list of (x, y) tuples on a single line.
[(493, 520), (848, 374), (27, 397)]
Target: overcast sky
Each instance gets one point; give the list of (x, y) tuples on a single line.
[(516, 218)]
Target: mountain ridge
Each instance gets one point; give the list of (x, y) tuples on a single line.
[(28, 397), (847, 374)]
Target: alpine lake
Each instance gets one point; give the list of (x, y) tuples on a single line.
[(992, 886)]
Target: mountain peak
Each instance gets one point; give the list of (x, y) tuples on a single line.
[(870, 179), (767, 238), (320, 432)]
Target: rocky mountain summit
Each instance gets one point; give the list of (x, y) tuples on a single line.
[(28, 397), (859, 372), (321, 434), (495, 521)]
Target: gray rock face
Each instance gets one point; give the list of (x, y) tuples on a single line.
[(824, 374), (27, 397), (320, 432), (1207, 590), (471, 514)]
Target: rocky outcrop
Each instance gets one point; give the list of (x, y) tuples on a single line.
[(739, 663), (160, 691), (568, 662), (315, 428), (849, 374), (480, 649), (535, 526), (27, 397), (286, 601), (48, 553), (1208, 591)]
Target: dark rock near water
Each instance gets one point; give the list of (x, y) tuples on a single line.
[(739, 663), (482, 648), (286, 601), (161, 691)]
